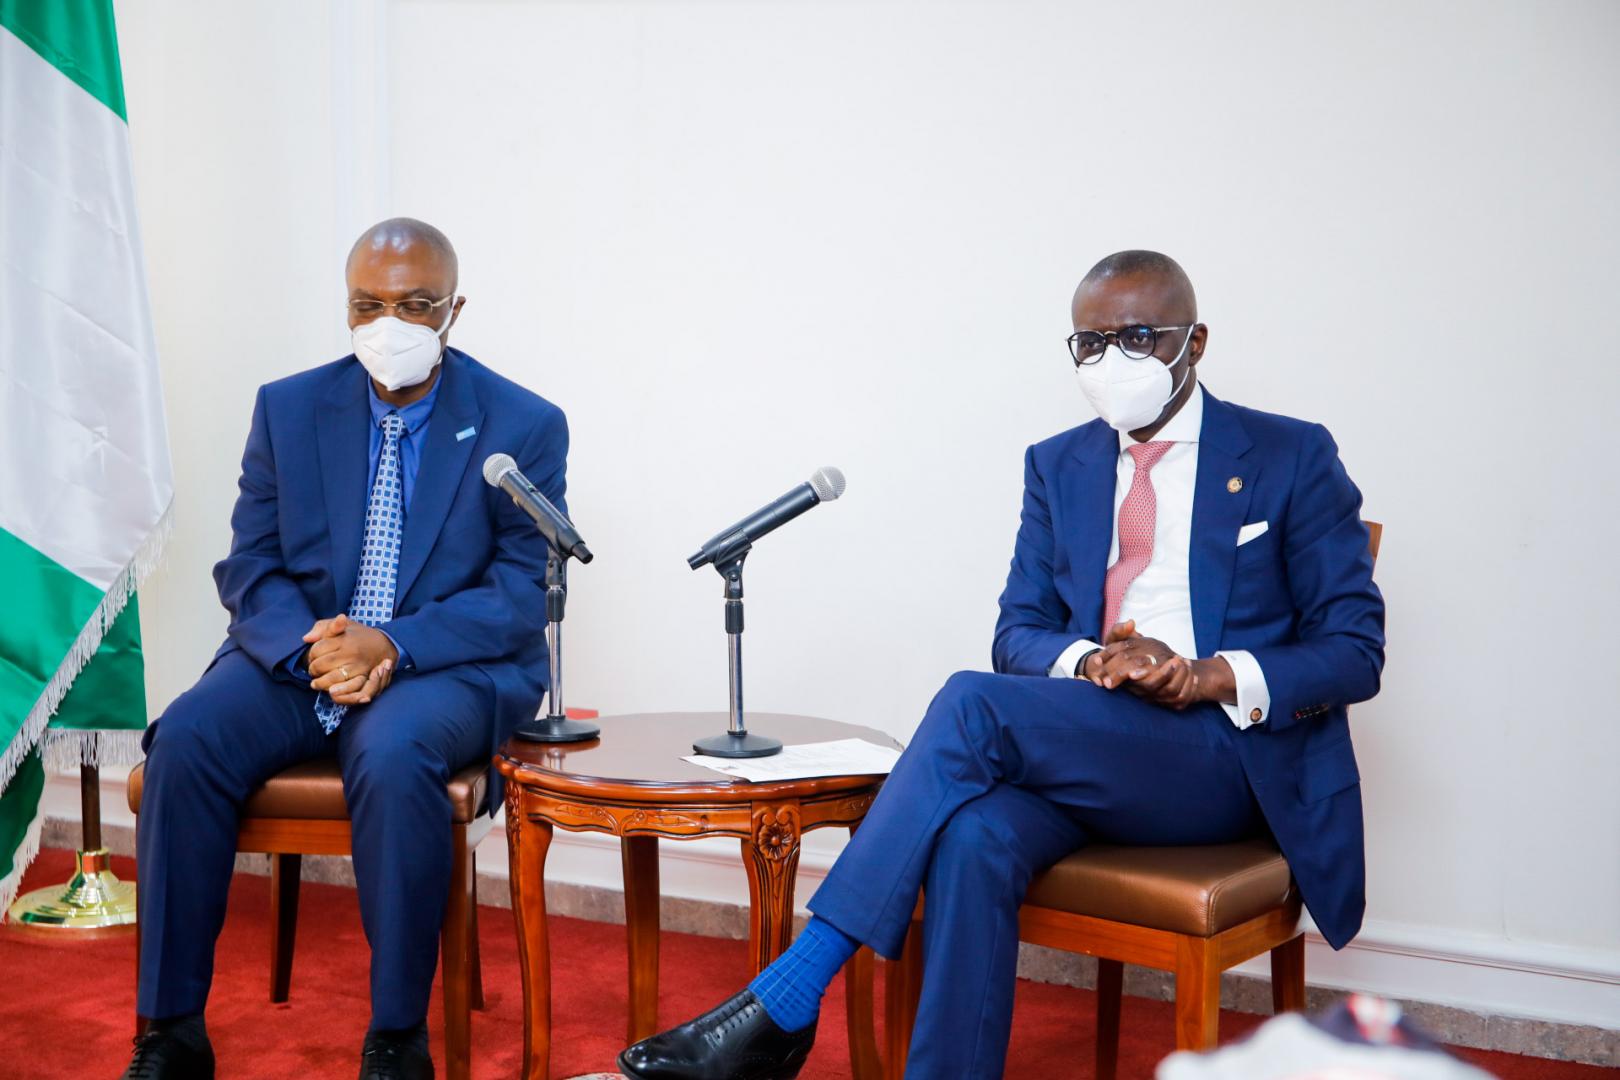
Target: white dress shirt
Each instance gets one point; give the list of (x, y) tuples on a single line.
[(1160, 599)]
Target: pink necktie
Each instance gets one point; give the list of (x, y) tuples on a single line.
[(1137, 515)]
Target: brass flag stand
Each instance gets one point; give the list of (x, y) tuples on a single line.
[(94, 898)]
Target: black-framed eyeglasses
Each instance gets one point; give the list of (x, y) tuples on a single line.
[(414, 308), (1136, 342)]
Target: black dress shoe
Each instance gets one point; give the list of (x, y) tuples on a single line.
[(396, 1055), (162, 1054), (737, 1041)]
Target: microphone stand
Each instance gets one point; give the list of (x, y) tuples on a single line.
[(555, 726), (736, 742)]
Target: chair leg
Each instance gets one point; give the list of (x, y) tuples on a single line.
[(475, 953), (456, 962), (285, 871), (1110, 992), (1198, 994), (1288, 975), (902, 992)]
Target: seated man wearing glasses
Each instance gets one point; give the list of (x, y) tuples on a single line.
[(387, 609), (1189, 611)]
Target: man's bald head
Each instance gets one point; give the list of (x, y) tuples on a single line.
[(1145, 274), (406, 238)]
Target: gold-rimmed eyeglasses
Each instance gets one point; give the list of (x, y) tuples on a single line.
[(418, 307)]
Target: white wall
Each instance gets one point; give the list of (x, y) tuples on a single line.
[(737, 241)]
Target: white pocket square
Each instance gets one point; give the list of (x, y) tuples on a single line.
[(1249, 532)]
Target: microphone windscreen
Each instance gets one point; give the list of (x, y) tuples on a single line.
[(497, 466), (827, 483)]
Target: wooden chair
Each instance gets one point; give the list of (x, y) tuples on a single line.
[(301, 811), (1195, 911)]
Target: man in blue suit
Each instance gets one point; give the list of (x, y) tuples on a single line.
[(1190, 610), (387, 608)]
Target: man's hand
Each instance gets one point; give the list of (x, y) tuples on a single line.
[(351, 662), (1150, 669), (1091, 668), (370, 686), (1147, 668)]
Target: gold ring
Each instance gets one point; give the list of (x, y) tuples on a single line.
[(345, 673)]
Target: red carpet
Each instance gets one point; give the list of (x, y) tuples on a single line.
[(66, 1008)]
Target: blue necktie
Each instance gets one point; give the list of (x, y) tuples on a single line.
[(373, 600)]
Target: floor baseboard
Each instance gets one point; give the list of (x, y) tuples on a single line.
[(1239, 992)]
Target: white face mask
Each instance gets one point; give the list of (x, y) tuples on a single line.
[(1130, 394), (398, 353)]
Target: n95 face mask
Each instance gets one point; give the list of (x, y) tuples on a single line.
[(1130, 394), (398, 353)]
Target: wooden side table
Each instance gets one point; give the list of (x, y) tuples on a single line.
[(633, 784)]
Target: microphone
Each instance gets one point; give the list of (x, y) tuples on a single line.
[(825, 486), (500, 471)]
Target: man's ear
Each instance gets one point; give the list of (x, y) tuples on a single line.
[(1195, 348), (455, 312)]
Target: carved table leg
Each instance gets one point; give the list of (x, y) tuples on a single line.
[(771, 856), (860, 1010), (527, 843), (640, 857)]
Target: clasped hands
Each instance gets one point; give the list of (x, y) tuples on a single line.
[(1149, 669), (352, 662)]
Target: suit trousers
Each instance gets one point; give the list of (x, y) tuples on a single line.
[(237, 727), (1005, 775)]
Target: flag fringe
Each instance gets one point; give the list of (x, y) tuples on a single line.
[(85, 645), (22, 858), (66, 751)]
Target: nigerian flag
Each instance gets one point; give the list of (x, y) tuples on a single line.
[(85, 484)]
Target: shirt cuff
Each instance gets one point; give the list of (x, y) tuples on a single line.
[(404, 661), (1253, 696), (294, 665), (1063, 667)]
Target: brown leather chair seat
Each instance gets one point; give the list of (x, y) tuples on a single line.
[(1185, 890), (313, 791)]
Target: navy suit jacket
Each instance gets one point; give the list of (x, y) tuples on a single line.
[(471, 586), (1300, 597)]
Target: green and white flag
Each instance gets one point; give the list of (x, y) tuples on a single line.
[(85, 481)]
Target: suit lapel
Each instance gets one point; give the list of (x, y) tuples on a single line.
[(342, 424), (1218, 513), (1088, 487), (442, 469)]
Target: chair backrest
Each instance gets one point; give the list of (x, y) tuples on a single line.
[(1375, 533)]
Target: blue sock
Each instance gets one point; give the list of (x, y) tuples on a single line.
[(791, 988)]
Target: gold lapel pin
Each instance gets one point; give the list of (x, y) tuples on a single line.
[(1235, 484)]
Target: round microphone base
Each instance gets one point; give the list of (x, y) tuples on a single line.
[(743, 745), (556, 729)]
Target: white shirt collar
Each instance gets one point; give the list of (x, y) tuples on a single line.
[(1185, 426)]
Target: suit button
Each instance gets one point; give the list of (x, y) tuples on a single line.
[(1254, 715)]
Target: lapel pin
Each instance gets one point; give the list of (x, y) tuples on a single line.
[(466, 433), (1235, 484)]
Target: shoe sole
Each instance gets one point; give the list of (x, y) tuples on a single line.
[(789, 1074)]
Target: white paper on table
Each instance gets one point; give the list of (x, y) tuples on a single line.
[(844, 757)]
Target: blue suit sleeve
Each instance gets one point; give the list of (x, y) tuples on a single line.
[(506, 609), (1032, 630), (269, 615), (1338, 658)]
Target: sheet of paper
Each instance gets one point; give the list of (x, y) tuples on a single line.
[(845, 757)]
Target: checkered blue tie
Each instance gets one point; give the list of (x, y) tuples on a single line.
[(373, 600)]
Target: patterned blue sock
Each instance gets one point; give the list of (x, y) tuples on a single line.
[(791, 988)]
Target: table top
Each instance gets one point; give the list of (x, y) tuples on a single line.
[(644, 750)]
